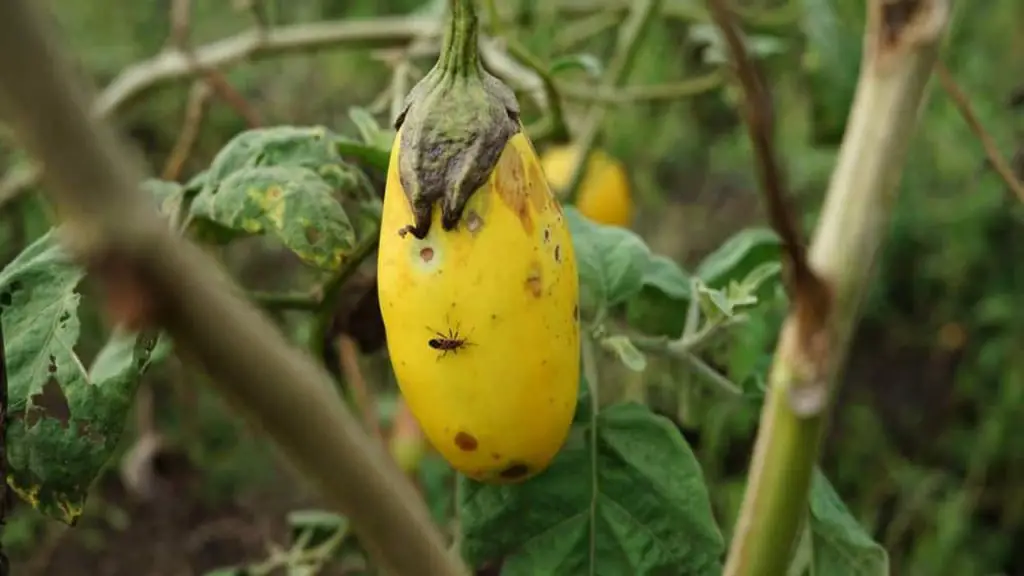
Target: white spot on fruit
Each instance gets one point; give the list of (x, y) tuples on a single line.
[(474, 222)]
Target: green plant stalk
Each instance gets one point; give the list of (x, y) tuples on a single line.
[(641, 15), (110, 224), (897, 63)]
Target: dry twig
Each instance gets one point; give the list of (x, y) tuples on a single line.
[(963, 104), (198, 98), (94, 182)]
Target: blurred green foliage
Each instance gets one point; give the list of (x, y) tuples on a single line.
[(923, 448)]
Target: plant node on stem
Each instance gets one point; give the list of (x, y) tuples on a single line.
[(902, 41)]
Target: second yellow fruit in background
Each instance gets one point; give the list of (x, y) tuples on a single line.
[(604, 195)]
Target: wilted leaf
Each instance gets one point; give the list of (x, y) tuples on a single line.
[(738, 256), (643, 496), (65, 421), (611, 262), (841, 546)]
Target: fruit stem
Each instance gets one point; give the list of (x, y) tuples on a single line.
[(460, 53)]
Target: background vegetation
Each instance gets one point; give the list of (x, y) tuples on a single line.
[(923, 447)]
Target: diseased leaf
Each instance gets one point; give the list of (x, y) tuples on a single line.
[(611, 262), (738, 256), (290, 202), (643, 496), (660, 307), (65, 421), (840, 545), (290, 183)]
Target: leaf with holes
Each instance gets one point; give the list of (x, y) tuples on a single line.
[(840, 545), (611, 262), (64, 421), (634, 502)]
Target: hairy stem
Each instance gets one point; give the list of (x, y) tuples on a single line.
[(902, 41)]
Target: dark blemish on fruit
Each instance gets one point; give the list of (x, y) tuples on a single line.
[(465, 442), (547, 235), (494, 316), (515, 471), (558, 253), (495, 455), (404, 231), (427, 254), (533, 281), (576, 313)]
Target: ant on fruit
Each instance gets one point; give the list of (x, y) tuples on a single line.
[(450, 342)]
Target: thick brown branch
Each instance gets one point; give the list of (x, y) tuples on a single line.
[(94, 182), (809, 294)]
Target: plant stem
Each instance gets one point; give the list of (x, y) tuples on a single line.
[(632, 30), (554, 127), (589, 355), (111, 224), (902, 41), (460, 50)]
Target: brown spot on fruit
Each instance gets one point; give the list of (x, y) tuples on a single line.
[(465, 441), (427, 254), (576, 313), (533, 280), (512, 187), (495, 455), (547, 235), (558, 253), (515, 472), (540, 194)]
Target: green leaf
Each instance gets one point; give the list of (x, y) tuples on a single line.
[(640, 489), (661, 306), (758, 46), (626, 352), (370, 131), (832, 63), (65, 421), (316, 526), (169, 196), (840, 545), (611, 262), (738, 256), (588, 63)]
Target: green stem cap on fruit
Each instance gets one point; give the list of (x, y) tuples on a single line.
[(455, 124)]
